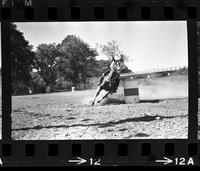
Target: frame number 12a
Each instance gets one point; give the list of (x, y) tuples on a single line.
[(182, 161)]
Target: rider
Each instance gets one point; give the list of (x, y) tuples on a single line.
[(116, 83)]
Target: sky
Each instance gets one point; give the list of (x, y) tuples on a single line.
[(148, 44)]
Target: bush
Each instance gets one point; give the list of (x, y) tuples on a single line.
[(19, 89)]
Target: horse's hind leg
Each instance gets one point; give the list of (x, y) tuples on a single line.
[(103, 97), (98, 91)]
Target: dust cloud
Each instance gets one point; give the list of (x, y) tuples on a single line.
[(171, 87), (164, 88)]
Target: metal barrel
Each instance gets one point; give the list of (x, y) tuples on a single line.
[(131, 91)]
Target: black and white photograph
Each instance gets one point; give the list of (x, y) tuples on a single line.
[(99, 80)]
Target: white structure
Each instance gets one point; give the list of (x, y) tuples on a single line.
[(73, 89)]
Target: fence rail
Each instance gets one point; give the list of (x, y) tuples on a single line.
[(161, 70), (170, 69)]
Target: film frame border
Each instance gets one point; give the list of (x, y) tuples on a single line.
[(134, 10), (137, 152)]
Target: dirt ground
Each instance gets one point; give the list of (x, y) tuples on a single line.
[(68, 115)]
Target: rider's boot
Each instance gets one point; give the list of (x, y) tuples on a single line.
[(116, 85)]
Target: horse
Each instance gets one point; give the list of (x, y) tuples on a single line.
[(110, 81)]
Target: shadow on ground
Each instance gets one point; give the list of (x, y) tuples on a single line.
[(150, 101), (142, 135), (145, 118)]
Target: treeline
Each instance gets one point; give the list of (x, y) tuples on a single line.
[(54, 67), (198, 54)]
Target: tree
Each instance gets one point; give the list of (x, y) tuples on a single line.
[(198, 43), (22, 61), (38, 84), (78, 59), (112, 50), (198, 54), (102, 66), (47, 58)]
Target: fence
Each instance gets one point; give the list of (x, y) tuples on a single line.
[(161, 70), (170, 69)]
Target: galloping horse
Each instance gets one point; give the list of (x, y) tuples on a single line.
[(110, 80)]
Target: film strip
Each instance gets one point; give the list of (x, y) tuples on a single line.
[(146, 55)]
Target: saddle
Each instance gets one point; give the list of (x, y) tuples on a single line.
[(109, 77), (112, 78)]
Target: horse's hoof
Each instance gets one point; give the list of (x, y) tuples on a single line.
[(99, 101)]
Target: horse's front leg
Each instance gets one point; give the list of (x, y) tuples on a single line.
[(103, 97), (98, 91)]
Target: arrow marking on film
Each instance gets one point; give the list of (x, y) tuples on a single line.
[(79, 161), (166, 161)]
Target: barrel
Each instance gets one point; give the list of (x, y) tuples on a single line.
[(131, 90), (73, 89)]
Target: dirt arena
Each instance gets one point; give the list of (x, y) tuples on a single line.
[(68, 115)]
